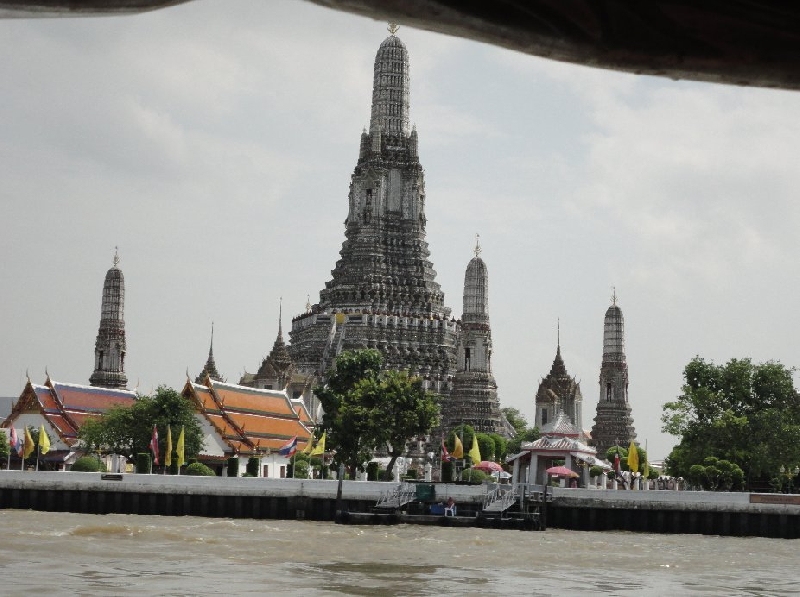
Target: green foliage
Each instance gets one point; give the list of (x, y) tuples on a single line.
[(474, 477), (252, 466), (198, 469), (88, 464), (486, 446), (744, 413), (366, 408), (516, 419), (500, 447), (127, 430), (465, 432), (143, 463), (372, 471), (5, 447), (595, 471), (300, 469), (447, 472), (529, 435), (411, 474), (233, 466)]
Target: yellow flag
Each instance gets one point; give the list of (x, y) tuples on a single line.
[(28, 449), (633, 458), (320, 448), (168, 451), (309, 446), (458, 449), (475, 451), (179, 449), (44, 441)]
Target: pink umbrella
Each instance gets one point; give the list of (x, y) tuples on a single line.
[(561, 471), (488, 467)]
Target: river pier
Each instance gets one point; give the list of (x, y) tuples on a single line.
[(716, 513)]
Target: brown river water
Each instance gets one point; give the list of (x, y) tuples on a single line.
[(44, 553)]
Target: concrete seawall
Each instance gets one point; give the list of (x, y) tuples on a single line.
[(741, 514)]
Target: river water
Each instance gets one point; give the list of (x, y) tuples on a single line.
[(47, 553)]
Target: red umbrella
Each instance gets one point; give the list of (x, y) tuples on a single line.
[(488, 467), (561, 471)]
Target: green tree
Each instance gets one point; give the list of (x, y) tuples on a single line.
[(463, 432), (400, 409), (346, 421), (516, 419), (366, 408), (486, 446), (531, 434), (128, 430), (5, 448), (500, 447), (744, 413)]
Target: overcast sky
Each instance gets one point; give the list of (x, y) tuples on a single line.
[(213, 143)]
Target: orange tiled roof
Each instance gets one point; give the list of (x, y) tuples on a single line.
[(67, 406), (248, 419)]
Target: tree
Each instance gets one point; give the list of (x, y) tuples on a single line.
[(127, 430), (744, 413), (500, 447), (464, 433), (516, 419), (5, 448), (366, 408), (522, 433), (400, 409), (486, 446)]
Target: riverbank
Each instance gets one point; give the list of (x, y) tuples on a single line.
[(719, 513)]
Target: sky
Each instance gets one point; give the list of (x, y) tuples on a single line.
[(213, 143)]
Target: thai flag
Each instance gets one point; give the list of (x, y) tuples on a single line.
[(445, 454), (16, 441), (154, 445), (289, 449)]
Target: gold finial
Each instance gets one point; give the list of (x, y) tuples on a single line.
[(614, 296), (116, 256), (477, 245), (393, 27)]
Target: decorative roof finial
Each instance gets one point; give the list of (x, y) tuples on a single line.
[(308, 303), (558, 333), (614, 296), (280, 316), (392, 28), (211, 346), (116, 256), (477, 245)]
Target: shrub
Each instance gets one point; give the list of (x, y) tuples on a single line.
[(300, 469), (372, 471), (143, 463), (88, 464), (486, 446), (447, 472), (173, 467), (474, 477), (233, 466), (500, 447), (198, 469), (324, 469), (252, 466), (596, 471), (411, 473), (386, 476)]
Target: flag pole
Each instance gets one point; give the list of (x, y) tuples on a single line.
[(37, 457)]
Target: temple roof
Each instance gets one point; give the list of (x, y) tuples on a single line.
[(248, 419), (210, 368), (561, 426), (67, 406)]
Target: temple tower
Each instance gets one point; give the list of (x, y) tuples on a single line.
[(277, 369), (473, 399), (558, 393), (109, 348), (210, 368), (613, 424), (383, 292)]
